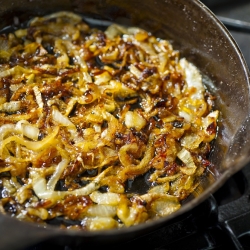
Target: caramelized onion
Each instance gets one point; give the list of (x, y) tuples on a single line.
[(87, 115)]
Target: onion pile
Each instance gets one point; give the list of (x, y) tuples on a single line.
[(85, 112)]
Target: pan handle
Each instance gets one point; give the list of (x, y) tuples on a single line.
[(233, 215), (234, 24)]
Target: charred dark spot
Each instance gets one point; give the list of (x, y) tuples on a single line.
[(177, 124), (91, 172), (49, 48), (211, 129), (19, 179), (104, 124), (151, 124), (71, 60), (142, 136), (137, 185), (83, 183), (5, 174), (60, 186), (99, 62), (41, 136), (16, 59), (5, 88), (31, 33), (161, 103), (119, 135), (10, 208), (167, 77), (103, 189), (159, 124), (148, 72)]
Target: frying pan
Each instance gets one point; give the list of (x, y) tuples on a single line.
[(204, 41)]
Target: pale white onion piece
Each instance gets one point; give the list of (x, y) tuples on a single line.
[(70, 106), (82, 63), (114, 30), (99, 223), (192, 141), (162, 189), (161, 204), (120, 89), (36, 146), (27, 129), (147, 47), (186, 115), (193, 79), (63, 59), (135, 30), (12, 106), (61, 119), (105, 198), (185, 156), (18, 151), (95, 116), (134, 120), (163, 59), (165, 207), (40, 187), (30, 131), (97, 128), (113, 126), (102, 211), (136, 72), (15, 87), (56, 175), (5, 129), (17, 70), (38, 96), (194, 83)]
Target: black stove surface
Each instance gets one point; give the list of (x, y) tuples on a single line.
[(223, 220), (236, 10)]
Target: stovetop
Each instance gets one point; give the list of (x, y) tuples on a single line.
[(223, 220), (236, 10)]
